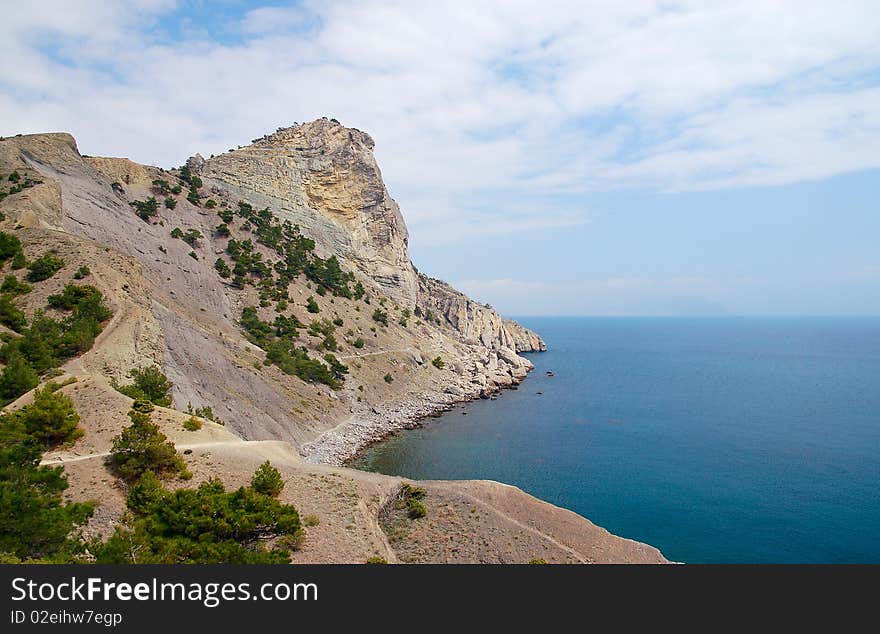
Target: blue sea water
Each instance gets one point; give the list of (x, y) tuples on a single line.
[(715, 439)]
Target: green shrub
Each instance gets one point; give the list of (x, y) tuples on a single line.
[(537, 560), (193, 255), (10, 315), (19, 261), (267, 480), (81, 272), (312, 305), (222, 230), (193, 196), (358, 343), (380, 316), (176, 189), (192, 236), (337, 321), (35, 522), (161, 187), (415, 509), (14, 177), (17, 378), (44, 267), (146, 209), (141, 447), (210, 203), (51, 418), (202, 525), (388, 378), (12, 286), (192, 424), (170, 203), (10, 247), (311, 520), (376, 559), (438, 363), (222, 268), (148, 384)]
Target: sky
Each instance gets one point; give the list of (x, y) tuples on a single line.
[(555, 158)]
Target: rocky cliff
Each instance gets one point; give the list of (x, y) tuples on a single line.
[(323, 176)]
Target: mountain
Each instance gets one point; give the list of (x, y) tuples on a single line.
[(273, 286)]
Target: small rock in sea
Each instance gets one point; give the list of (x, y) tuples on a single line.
[(539, 393), (464, 413)]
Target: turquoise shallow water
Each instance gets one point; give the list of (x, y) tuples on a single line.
[(714, 439)]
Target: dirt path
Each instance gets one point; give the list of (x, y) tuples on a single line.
[(374, 354), (66, 458)]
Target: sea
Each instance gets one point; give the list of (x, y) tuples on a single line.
[(717, 440)]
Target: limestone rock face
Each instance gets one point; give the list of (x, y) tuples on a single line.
[(476, 322), (323, 177)]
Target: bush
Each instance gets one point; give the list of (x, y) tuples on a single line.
[(35, 522), (146, 209), (376, 559), (192, 424), (537, 560), (312, 305), (203, 525), (267, 480), (311, 520), (380, 316), (17, 378), (141, 447), (415, 509), (10, 315), (12, 286), (222, 230), (19, 261), (192, 236), (176, 233), (10, 247), (170, 203), (81, 272), (44, 267), (149, 385), (210, 203), (176, 189), (222, 268), (193, 196), (438, 363), (51, 418), (388, 378), (358, 343)]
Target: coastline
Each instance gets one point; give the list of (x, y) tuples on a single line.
[(343, 444)]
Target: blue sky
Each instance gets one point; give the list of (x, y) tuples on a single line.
[(569, 157)]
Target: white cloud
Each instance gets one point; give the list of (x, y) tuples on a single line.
[(475, 107)]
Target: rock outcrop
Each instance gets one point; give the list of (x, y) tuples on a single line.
[(324, 177), (477, 323)]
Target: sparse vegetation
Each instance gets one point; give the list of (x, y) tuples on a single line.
[(192, 424), (358, 343), (82, 272), (388, 378), (312, 305), (380, 316), (376, 559), (13, 286), (223, 268), (170, 203), (44, 267), (10, 315), (438, 363)]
